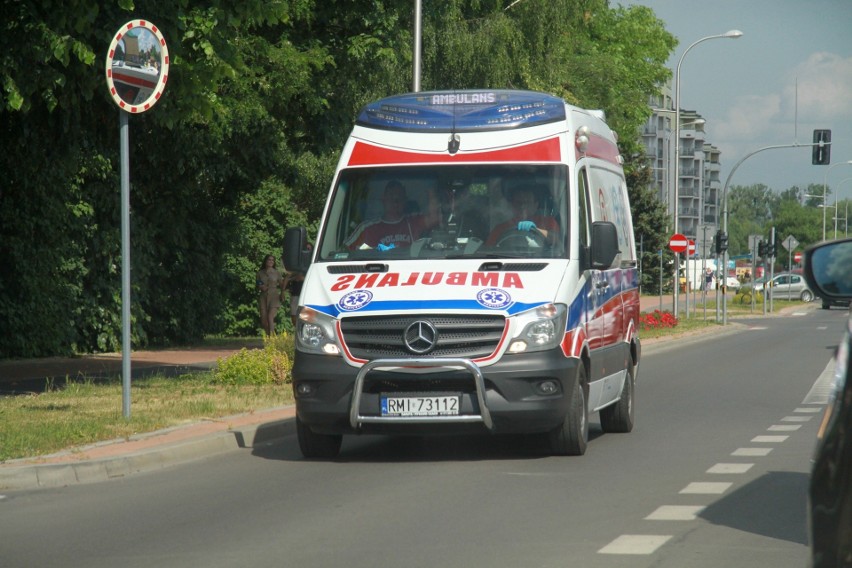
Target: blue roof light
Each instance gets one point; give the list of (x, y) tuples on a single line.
[(462, 111)]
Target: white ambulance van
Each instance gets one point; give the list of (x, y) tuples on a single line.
[(474, 271)]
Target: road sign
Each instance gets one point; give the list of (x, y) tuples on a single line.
[(678, 243), (691, 247), (790, 243), (797, 256)]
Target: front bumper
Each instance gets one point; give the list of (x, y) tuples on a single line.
[(502, 398)]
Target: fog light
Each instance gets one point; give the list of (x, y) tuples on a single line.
[(304, 389), (547, 387)]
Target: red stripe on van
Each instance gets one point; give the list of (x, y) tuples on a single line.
[(369, 154), (600, 147)]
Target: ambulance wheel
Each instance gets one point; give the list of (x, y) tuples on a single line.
[(619, 416), (317, 446), (514, 238), (572, 437)]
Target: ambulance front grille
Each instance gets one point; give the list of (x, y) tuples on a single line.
[(460, 336)]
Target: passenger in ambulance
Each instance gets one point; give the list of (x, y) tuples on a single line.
[(396, 228), (526, 218)]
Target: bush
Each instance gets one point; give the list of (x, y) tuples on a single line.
[(271, 365)]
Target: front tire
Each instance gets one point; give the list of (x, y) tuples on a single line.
[(618, 418), (317, 446), (572, 437)]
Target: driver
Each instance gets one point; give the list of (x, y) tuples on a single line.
[(395, 229), (525, 217)]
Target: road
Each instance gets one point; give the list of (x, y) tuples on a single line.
[(714, 474)]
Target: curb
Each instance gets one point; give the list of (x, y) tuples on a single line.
[(149, 452)]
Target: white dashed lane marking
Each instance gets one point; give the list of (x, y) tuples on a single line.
[(769, 439), (784, 427), (646, 544), (635, 544), (729, 468), (705, 488), (675, 513), (751, 452)]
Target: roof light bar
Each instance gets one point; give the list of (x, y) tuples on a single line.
[(462, 111)]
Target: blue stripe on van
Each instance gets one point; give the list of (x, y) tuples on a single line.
[(418, 305)]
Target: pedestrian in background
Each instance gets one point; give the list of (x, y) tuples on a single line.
[(268, 282)]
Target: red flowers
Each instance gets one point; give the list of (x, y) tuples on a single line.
[(657, 320)]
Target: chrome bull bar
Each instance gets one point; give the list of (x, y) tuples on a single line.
[(484, 416)]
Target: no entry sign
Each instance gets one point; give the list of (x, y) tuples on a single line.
[(678, 243)]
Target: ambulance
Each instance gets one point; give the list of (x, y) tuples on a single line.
[(474, 271)]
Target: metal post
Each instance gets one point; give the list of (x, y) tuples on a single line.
[(418, 16), (732, 34), (124, 135)]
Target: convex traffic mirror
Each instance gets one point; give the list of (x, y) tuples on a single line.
[(137, 66)]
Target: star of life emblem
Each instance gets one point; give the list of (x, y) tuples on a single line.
[(493, 298), (355, 300)]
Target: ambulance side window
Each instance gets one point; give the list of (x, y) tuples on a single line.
[(584, 213)]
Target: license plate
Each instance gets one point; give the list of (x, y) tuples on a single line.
[(443, 405)]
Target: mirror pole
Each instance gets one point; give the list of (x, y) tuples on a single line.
[(124, 135)]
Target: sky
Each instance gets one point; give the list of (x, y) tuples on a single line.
[(746, 88)]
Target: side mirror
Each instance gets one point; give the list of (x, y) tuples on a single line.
[(604, 245), (297, 256), (828, 269)]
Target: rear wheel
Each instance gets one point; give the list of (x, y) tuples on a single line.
[(572, 437), (619, 416), (317, 446), (807, 296)]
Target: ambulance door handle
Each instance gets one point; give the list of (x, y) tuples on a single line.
[(601, 284)]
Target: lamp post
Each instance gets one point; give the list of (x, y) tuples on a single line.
[(846, 208), (732, 34), (825, 192)]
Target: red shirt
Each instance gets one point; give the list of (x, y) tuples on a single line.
[(399, 233)]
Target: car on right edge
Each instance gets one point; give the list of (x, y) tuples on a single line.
[(828, 270)]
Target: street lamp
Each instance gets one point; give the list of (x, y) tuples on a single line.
[(732, 34), (825, 192), (846, 208)]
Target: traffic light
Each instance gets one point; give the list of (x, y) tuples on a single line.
[(720, 242), (773, 249), (822, 148), (762, 249)]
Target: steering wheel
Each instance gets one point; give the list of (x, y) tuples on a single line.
[(513, 238)]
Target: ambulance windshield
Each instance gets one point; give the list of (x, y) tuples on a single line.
[(473, 211)]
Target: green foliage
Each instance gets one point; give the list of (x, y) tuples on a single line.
[(270, 365)]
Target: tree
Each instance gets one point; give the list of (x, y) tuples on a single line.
[(244, 141)]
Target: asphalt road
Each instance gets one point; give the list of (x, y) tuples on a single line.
[(714, 474)]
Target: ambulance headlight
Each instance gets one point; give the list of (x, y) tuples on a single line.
[(316, 333), (541, 328)]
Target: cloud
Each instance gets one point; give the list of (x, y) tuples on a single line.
[(824, 87), (825, 82)]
